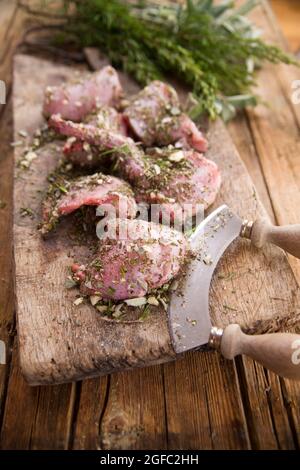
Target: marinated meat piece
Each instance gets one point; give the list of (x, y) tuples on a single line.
[(155, 118), (137, 257), (167, 176), (180, 181), (82, 153), (64, 197), (130, 156), (75, 101)]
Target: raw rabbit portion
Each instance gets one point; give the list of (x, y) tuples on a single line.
[(130, 156), (135, 257), (83, 154), (154, 116), (166, 176), (182, 182), (64, 197), (75, 101)]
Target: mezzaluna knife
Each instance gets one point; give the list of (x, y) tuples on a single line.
[(189, 319)]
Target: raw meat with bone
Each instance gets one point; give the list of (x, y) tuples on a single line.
[(83, 154), (169, 177), (154, 116), (64, 197), (75, 101), (146, 258)]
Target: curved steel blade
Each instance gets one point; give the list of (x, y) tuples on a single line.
[(189, 318)]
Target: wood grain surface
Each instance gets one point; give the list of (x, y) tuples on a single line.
[(201, 401), (60, 341), (288, 14)]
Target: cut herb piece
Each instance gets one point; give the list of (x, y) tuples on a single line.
[(26, 212), (145, 314), (70, 283), (228, 307)]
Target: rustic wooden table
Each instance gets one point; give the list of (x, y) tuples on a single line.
[(201, 402)]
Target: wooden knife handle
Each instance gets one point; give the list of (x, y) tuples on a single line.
[(286, 237), (279, 352)]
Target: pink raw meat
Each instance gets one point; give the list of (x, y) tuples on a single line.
[(151, 255), (64, 197), (130, 156), (75, 101), (169, 176), (155, 118), (82, 153)]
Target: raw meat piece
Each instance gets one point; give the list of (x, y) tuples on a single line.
[(147, 256), (167, 176), (82, 153), (130, 156), (180, 182), (155, 118), (75, 101), (64, 197)]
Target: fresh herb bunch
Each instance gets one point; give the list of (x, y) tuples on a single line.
[(214, 49)]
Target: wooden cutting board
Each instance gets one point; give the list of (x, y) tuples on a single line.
[(61, 342)]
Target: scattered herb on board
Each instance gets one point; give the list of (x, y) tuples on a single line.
[(227, 277), (228, 307), (26, 212), (213, 48), (118, 310)]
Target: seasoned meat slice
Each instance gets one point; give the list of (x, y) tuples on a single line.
[(154, 116), (167, 176), (180, 181), (136, 257), (75, 101), (83, 154), (130, 156), (65, 196)]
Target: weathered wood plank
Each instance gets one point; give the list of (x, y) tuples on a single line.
[(293, 405), (92, 400), (134, 417), (45, 424), (8, 15), (123, 411), (268, 421), (264, 429), (11, 31), (58, 358), (7, 320), (269, 427), (36, 418), (291, 397), (20, 410), (203, 402), (241, 136), (288, 16), (276, 136), (54, 417)]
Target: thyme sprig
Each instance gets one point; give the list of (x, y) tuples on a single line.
[(214, 49)]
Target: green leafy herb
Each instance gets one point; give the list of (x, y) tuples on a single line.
[(228, 307), (26, 212), (145, 313), (214, 49)]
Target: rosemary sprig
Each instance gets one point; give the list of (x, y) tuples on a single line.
[(214, 49)]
